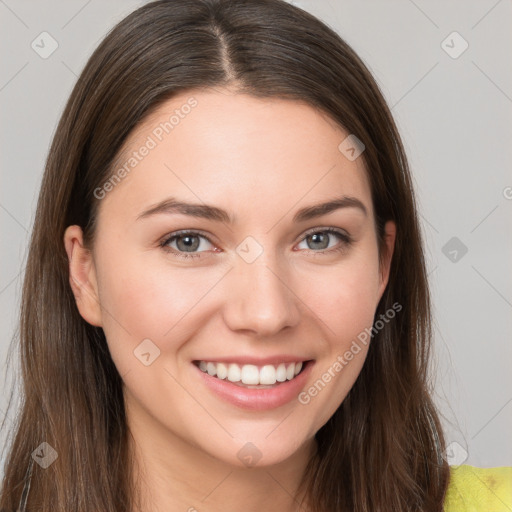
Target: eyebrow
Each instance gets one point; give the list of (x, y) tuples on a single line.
[(171, 205)]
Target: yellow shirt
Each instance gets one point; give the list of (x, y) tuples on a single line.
[(473, 489)]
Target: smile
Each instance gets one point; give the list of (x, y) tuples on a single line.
[(251, 374), (254, 387)]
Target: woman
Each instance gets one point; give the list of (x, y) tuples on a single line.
[(225, 303)]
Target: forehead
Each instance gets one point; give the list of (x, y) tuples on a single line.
[(222, 146)]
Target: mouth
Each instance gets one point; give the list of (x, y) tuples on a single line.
[(254, 387), (252, 376)]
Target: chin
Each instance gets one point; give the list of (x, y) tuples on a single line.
[(259, 451)]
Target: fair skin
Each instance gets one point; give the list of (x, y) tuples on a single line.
[(261, 160)]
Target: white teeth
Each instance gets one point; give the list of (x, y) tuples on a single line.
[(281, 373), (211, 368), (251, 374), (222, 371), (234, 373), (267, 375)]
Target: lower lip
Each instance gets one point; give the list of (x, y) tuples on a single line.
[(258, 399)]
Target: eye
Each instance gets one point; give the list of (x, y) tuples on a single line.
[(187, 242), (320, 240)]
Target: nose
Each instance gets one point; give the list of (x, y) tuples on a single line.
[(260, 297)]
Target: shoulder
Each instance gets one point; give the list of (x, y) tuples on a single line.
[(473, 489)]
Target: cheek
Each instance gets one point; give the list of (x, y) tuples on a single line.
[(146, 298), (343, 296)]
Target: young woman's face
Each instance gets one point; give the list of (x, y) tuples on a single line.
[(257, 283)]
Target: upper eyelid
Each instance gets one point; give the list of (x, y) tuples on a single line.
[(339, 231)]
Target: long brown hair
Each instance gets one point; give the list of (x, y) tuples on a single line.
[(382, 449)]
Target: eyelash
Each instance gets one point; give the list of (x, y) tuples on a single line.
[(346, 241)]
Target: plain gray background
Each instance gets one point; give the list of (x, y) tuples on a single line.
[(453, 109)]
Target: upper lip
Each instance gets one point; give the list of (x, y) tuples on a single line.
[(256, 361)]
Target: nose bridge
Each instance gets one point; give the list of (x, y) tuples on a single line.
[(259, 297)]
